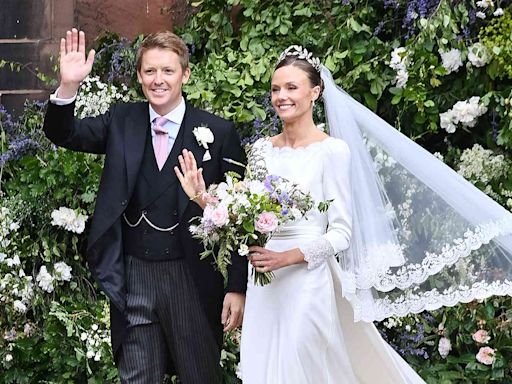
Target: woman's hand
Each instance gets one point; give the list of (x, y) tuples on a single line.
[(191, 178), (265, 260)]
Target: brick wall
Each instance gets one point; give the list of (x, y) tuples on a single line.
[(30, 31)]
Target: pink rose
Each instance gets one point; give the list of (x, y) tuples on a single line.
[(266, 222), (486, 356), (220, 216), (217, 215), (481, 336)]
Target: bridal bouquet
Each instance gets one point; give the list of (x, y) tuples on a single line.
[(244, 212)]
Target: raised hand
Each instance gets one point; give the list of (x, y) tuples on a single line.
[(190, 177), (74, 65)]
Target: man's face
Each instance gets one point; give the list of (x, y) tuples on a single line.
[(162, 77)]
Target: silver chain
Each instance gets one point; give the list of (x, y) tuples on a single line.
[(143, 216)]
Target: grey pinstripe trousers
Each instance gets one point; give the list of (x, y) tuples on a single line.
[(167, 325)]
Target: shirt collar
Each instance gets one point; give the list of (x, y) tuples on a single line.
[(176, 115)]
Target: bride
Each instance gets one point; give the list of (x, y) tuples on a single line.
[(404, 233), (299, 328)]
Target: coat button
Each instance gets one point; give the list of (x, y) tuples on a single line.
[(171, 233), (175, 213), (145, 231), (146, 251), (167, 251), (124, 202)]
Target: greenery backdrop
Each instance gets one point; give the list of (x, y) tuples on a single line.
[(440, 71)]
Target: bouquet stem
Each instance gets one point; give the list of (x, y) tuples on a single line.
[(262, 278)]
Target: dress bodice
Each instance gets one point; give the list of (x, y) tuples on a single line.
[(320, 168)]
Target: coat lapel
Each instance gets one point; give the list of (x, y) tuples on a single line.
[(136, 126)]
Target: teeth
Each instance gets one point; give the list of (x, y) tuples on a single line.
[(285, 106)]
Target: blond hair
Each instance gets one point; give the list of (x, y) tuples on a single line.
[(164, 40)]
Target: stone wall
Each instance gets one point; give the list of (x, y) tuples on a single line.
[(29, 34)]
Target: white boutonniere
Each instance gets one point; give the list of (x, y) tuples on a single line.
[(204, 136)]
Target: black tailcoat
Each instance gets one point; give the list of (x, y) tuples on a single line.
[(120, 134)]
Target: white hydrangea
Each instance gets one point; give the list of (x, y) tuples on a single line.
[(498, 12), (19, 306), (62, 271), (95, 339), (12, 261), (45, 280), (478, 164), (69, 219), (480, 15), (452, 60), (478, 55), (399, 62), (463, 112), (485, 4), (95, 97)]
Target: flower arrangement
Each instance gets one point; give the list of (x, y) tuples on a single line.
[(244, 212)]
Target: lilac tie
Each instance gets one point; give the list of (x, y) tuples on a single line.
[(161, 141)]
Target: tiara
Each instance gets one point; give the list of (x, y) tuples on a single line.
[(302, 54)]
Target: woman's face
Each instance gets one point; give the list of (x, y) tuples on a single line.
[(292, 93)]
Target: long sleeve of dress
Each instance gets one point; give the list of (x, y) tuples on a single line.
[(336, 186)]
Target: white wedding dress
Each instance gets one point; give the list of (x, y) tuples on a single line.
[(299, 329)]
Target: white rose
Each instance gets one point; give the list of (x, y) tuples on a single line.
[(478, 55), (8, 357), (452, 60), (63, 271), (45, 280)]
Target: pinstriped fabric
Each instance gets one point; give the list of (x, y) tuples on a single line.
[(167, 326)]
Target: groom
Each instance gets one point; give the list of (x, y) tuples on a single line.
[(168, 307)]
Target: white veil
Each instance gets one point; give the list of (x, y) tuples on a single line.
[(423, 237)]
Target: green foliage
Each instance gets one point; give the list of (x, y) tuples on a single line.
[(497, 36), (235, 45)]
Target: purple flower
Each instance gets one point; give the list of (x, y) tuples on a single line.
[(391, 4), (268, 183), (18, 148), (378, 28)]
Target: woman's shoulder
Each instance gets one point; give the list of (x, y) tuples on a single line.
[(336, 146)]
